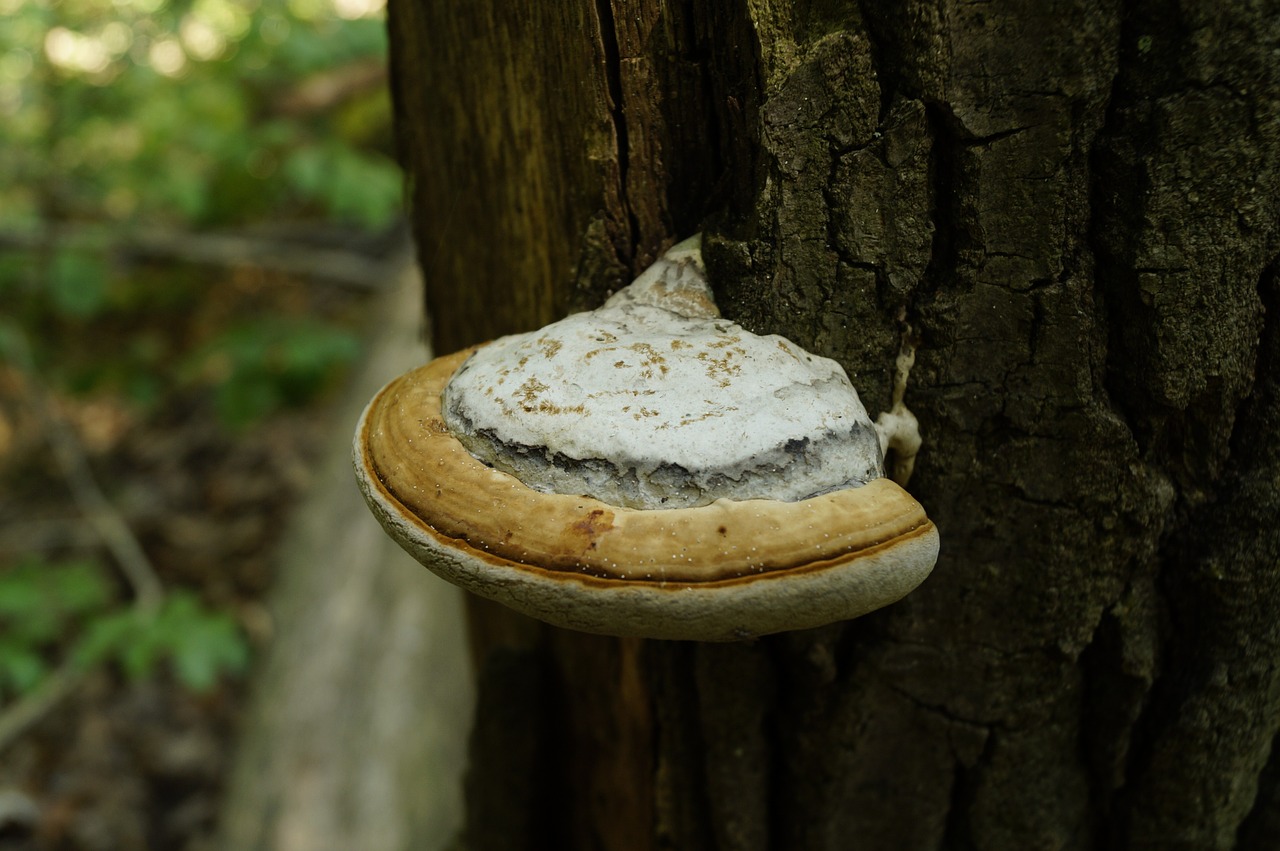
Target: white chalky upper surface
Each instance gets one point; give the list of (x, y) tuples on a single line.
[(643, 407)]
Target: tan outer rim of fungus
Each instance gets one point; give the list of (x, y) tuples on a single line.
[(720, 572)]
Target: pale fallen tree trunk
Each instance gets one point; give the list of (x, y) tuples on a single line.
[(356, 734)]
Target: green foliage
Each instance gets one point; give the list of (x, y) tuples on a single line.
[(167, 111), (48, 610), (78, 284), (351, 186), (119, 114), (38, 602), (271, 363), (200, 644)]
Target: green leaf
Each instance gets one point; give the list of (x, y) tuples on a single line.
[(105, 637), (209, 647), (307, 355), (364, 190), (271, 363), (20, 592), (139, 654), (77, 588), (21, 669), (306, 171), (202, 644), (15, 271), (27, 612), (13, 342), (353, 186), (38, 600), (246, 397), (78, 284)]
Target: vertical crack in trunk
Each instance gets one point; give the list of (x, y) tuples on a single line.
[(1196, 750), (1260, 827), (957, 835), (1116, 187), (1116, 671), (944, 176), (1202, 745), (1269, 298), (612, 68), (884, 60)]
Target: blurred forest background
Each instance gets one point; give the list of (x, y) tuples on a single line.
[(197, 203)]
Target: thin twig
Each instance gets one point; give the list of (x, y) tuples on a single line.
[(28, 535), (35, 704), (148, 593), (327, 90), (93, 503)]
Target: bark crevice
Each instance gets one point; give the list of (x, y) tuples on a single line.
[(611, 70)]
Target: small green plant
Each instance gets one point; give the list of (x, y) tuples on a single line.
[(39, 604), (272, 363), (66, 610), (199, 644)]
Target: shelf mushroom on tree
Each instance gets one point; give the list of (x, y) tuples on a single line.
[(649, 469)]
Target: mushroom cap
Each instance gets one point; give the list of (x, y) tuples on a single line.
[(645, 408), (724, 571), (655, 401)]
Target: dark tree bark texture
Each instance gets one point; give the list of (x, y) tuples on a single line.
[(1073, 209)]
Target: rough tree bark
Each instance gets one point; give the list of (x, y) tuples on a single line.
[(1073, 207)]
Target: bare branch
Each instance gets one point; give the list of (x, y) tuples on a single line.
[(17, 718), (93, 503), (349, 268), (105, 520)]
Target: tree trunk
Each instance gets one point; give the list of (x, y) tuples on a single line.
[(1072, 208)]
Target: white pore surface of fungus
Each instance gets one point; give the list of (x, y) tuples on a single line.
[(654, 401)]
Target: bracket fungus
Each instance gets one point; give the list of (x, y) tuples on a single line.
[(647, 469)]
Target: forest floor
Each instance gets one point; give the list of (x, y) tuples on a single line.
[(135, 755)]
